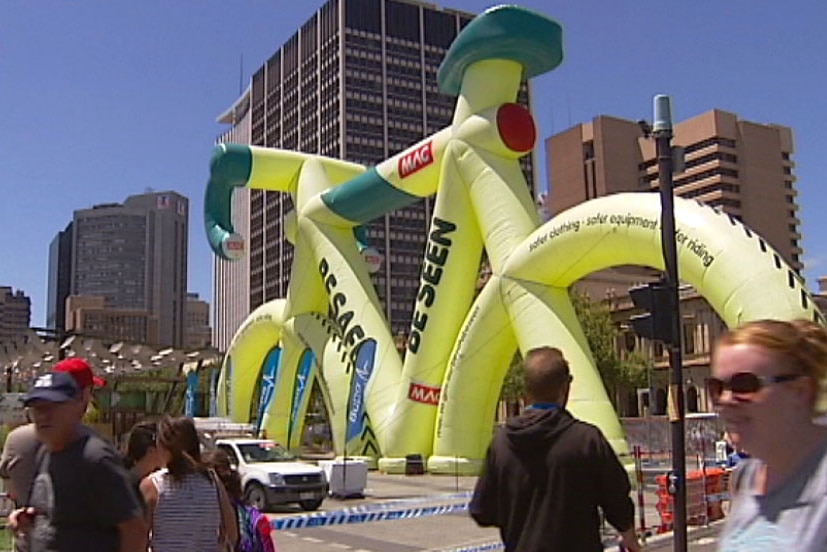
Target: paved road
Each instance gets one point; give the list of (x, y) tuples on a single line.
[(441, 532), (699, 539), (449, 532)]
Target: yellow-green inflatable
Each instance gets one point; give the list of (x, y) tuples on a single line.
[(440, 400)]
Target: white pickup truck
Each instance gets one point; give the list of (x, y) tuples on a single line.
[(271, 475)]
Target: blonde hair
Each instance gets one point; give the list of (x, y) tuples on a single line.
[(801, 342)]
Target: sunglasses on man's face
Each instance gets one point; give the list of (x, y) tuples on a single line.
[(744, 384)]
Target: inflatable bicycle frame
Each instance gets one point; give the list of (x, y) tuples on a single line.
[(440, 400)]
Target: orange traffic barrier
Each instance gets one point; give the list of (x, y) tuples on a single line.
[(700, 484)]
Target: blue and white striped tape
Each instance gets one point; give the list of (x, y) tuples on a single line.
[(321, 519), (480, 547), (385, 505)]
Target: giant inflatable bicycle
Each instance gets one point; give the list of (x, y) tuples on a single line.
[(439, 400)]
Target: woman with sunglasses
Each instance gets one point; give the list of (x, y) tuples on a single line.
[(766, 384)]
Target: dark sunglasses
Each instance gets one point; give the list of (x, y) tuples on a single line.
[(744, 383)]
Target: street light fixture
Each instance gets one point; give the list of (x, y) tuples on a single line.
[(662, 133)]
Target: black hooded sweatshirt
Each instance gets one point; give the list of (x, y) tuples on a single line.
[(544, 477)]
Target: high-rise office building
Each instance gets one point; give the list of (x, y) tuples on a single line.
[(743, 168), (231, 279), (60, 278), (358, 82), (134, 255), (15, 313)]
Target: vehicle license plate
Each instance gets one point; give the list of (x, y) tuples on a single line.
[(307, 496)]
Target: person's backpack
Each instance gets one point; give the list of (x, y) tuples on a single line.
[(253, 530)]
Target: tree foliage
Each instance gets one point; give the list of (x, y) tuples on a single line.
[(513, 387), (601, 334), (619, 374)]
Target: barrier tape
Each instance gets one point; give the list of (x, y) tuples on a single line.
[(480, 547), (387, 511), (406, 502), (341, 517)]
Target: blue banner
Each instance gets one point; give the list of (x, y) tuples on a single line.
[(358, 384), (300, 390), (269, 373), (213, 392), (192, 394), (228, 384)]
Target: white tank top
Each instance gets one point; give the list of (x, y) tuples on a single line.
[(187, 516)]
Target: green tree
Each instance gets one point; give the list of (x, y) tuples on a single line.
[(601, 334), (513, 387), (620, 376), (635, 370)]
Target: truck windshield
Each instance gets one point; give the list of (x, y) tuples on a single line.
[(264, 452)]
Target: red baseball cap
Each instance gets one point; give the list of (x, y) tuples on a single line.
[(80, 370)]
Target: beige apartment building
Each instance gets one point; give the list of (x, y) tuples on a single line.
[(197, 331), (742, 168), (91, 317)]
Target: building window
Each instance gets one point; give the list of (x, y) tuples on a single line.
[(726, 142), (588, 150), (724, 202), (689, 339), (692, 399)]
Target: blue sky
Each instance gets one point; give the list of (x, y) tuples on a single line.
[(103, 99)]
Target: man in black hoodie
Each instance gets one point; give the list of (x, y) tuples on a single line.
[(546, 473)]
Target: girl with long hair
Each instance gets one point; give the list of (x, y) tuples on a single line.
[(189, 510), (254, 529), (141, 456)]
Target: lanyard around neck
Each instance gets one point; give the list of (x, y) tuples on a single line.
[(543, 406)]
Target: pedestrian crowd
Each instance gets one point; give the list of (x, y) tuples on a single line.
[(548, 479), (547, 476), (75, 492)]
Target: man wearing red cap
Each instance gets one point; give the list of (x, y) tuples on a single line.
[(81, 497), (17, 463), (79, 369)]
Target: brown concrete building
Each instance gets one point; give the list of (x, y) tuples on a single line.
[(701, 328), (742, 168), (91, 317), (197, 331), (15, 313)]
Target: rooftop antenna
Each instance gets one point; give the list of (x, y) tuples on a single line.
[(551, 116), (241, 73)]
